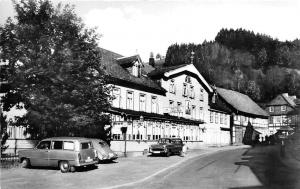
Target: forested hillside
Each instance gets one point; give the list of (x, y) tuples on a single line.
[(241, 60)]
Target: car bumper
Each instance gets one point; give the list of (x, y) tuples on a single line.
[(80, 164)]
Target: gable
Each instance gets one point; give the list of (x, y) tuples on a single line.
[(278, 101), (189, 70)]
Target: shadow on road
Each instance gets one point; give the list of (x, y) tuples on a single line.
[(265, 163)]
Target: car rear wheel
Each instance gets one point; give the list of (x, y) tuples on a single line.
[(64, 166), (25, 163)]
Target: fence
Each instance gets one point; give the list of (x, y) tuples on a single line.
[(9, 161)]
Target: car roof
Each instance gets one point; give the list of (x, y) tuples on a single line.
[(68, 138)]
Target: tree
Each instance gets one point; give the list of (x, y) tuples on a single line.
[(54, 70), (3, 132), (253, 90)]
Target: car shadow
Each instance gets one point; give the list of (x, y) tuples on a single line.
[(107, 162)]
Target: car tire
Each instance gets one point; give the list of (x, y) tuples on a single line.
[(25, 163), (72, 169), (64, 166), (168, 153)]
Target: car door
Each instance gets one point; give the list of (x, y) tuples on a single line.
[(55, 152), (40, 156)]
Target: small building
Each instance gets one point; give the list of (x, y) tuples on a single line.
[(244, 111), (283, 110)]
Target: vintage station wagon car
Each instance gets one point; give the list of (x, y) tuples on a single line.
[(167, 146), (63, 152)]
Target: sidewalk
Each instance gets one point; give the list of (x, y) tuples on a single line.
[(125, 172)]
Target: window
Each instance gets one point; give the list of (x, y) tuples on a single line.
[(192, 92), (142, 102), (172, 86), (201, 113), (216, 117), (58, 145), (225, 119), (201, 97), (283, 108), (188, 107), (179, 108), (188, 79), (129, 101), (136, 69), (44, 145), (86, 145), (185, 90), (221, 118), (117, 97), (271, 119), (154, 105), (68, 145), (271, 109), (211, 115), (193, 111)]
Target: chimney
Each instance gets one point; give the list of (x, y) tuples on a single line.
[(294, 97), (286, 94), (151, 60)]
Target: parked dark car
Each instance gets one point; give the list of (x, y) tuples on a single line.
[(104, 152), (63, 152), (167, 146)]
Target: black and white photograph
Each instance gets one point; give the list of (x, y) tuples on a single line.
[(150, 94)]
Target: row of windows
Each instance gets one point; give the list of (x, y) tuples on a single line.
[(129, 101), (149, 137), (189, 109), (188, 89), (282, 108), (216, 117)]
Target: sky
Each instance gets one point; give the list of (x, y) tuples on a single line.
[(143, 26)]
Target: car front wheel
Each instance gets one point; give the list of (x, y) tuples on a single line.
[(168, 153), (25, 163), (64, 166)]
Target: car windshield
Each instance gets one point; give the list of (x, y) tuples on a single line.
[(163, 140)]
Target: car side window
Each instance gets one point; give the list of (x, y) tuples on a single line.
[(57, 145), (44, 145), (69, 145)]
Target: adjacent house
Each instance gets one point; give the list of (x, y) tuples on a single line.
[(244, 110), (283, 110)]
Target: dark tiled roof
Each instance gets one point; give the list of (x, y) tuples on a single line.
[(219, 105), (289, 100), (241, 102), (147, 69), (118, 73), (159, 72), (282, 99)]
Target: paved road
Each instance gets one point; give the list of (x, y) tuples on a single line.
[(218, 170)]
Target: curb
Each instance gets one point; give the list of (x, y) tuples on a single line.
[(174, 165)]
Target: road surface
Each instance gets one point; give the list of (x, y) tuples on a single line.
[(254, 168)]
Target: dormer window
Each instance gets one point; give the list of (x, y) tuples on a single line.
[(136, 69)]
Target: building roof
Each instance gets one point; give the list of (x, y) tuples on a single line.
[(111, 64), (283, 99), (125, 61), (159, 72), (241, 102)]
